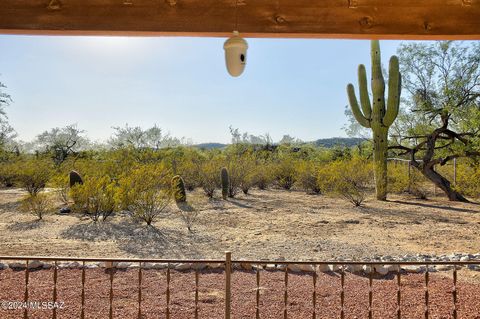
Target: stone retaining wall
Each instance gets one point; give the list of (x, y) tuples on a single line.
[(383, 269)]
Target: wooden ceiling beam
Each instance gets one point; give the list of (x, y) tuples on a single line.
[(362, 19)]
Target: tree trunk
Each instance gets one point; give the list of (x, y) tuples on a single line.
[(380, 152), (443, 184)]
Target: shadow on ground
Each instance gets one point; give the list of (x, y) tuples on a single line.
[(416, 216), (238, 203), (9, 206), (28, 225), (185, 207), (449, 208), (139, 239)]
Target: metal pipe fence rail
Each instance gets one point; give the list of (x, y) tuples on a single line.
[(228, 266)]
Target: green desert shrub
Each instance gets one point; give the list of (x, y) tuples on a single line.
[(188, 170), (60, 184), (7, 174), (38, 205), (417, 184), (340, 153), (247, 183), (307, 177), (240, 163), (209, 180), (190, 175), (468, 179), (285, 173), (246, 170), (350, 179), (148, 205), (95, 197), (238, 167), (99, 164), (87, 166), (146, 191), (262, 175), (398, 181), (33, 174), (447, 170)]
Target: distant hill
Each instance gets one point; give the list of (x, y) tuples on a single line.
[(209, 146), (338, 141), (323, 142)]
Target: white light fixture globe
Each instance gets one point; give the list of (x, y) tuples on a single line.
[(235, 54)]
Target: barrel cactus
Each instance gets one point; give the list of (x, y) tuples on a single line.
[(75, 179), (225, 182), (380, 117), (178, 189)]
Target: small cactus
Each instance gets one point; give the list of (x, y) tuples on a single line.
[(178, 188), (225, 183), (75, 179)]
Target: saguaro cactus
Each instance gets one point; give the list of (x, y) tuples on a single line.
[(225, 182), (75, 178), (178, 188), (379, 118)]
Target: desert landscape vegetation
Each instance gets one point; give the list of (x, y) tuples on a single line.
[(408, 193)]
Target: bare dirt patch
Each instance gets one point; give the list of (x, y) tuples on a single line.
[(272, 224)]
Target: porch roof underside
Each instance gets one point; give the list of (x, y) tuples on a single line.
[(357, 19)]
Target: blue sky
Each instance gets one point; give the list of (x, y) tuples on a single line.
[(290, 86)]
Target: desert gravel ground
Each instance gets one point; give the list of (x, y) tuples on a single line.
[(211, 295), (271, 224)]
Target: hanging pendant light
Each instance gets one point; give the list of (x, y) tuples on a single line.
[(235, 50)]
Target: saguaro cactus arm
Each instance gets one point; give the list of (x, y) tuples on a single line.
[(355, 108), (378, 84), (362, 86), (394, 89)]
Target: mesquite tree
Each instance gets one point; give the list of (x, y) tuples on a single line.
[(62, 142), (7, 133), (378, 118), (441, 118)]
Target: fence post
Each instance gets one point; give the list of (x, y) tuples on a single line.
[(228, 292)]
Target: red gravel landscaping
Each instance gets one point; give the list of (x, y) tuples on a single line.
[(211, 295)]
